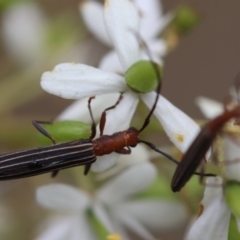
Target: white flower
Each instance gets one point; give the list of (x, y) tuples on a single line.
[(76, 81), (113, 204), (214, 220), (152, 22), (22, 30)]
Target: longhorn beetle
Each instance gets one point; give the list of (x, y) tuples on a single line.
[(196, 152), (31, 162), (26, 163)]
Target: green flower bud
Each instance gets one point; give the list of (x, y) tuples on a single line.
[(143, 76), (185, 19), (65, 131)]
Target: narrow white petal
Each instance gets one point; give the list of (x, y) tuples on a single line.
[(104, 162), (139, 154), (150, 8), (179, 127), (213, 223), (210, 108), (213, 189), (150, 13), (101, 213), (158, 47), (122, 23), (119, 119), (133, 180), (232, 157), (79, 109), (154, 57), (80, 229), (56, 230), (74, 81), (134, 225), (110, 62), (62, 198), (92, 13), (162, 23), (118, 226), (73, 228), (156, 214)]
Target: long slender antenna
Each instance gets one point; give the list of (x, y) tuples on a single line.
[(156, 68), (153, 147)]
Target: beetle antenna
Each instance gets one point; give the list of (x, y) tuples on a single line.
[(156, 68), (153, 147)]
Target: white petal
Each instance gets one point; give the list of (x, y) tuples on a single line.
[(23, 26), (72, 228), (158, 47), (134, 225), (62, 198), (122, 23), (139, 154), (156, 214), (131, 181), (104, 162), (150, 8), (212, 190), (79, 109), (119, 118), (232, 157), (73, 81), (154, 57), (213, 223), (57, 229), (179, 127), (149, 15), (210, 108), (92, 13), (160, 24), (118, 226), (110, 62), (103, 216), (151, 20)]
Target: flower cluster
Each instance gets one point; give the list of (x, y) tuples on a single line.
[(115, 206)]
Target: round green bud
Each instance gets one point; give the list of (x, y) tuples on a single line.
[(232, 196), (185, 19), (65, 131), (143, 76)]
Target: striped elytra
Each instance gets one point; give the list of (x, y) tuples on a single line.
[(36, 161)]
